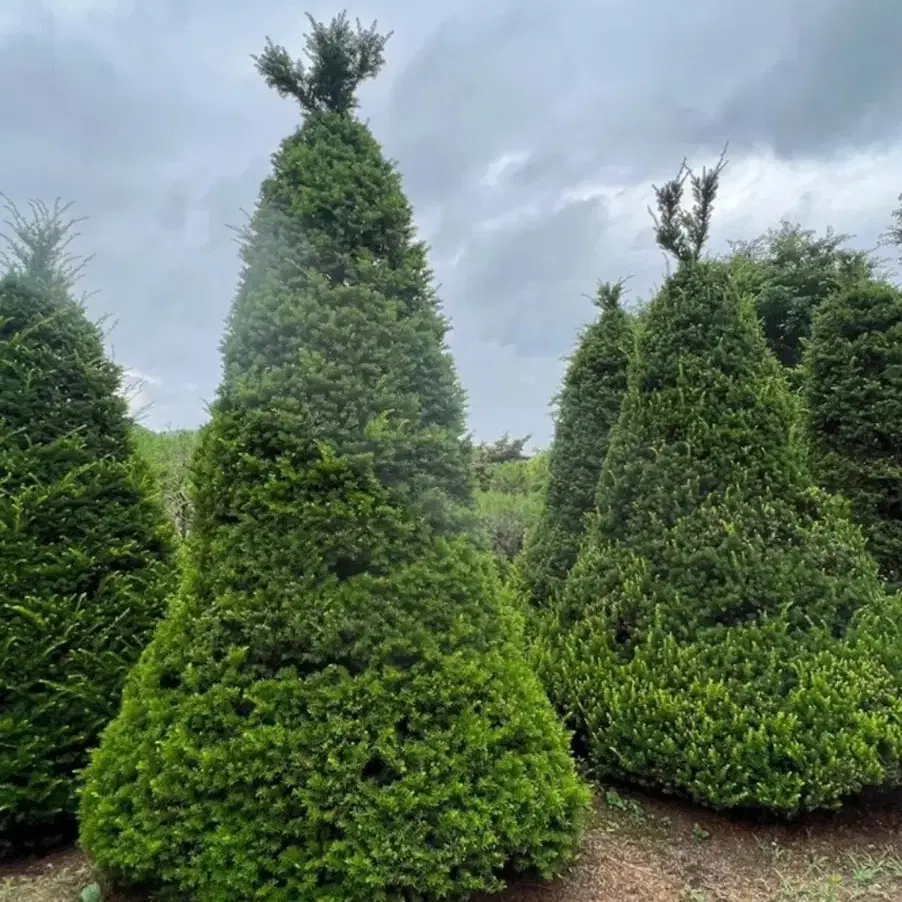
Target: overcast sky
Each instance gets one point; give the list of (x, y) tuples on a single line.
[(528, 133)]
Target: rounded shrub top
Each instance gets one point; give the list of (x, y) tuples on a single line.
[(723, 633), (86, 554), (56, 379), (853, 390)]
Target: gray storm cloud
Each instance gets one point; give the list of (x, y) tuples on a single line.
[(149, 117)]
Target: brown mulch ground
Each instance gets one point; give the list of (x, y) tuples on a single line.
[(645, 849)]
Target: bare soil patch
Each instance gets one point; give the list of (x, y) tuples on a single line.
[(647, 849)]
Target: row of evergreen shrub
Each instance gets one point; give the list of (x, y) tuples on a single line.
[(337, 697), (723, 631)]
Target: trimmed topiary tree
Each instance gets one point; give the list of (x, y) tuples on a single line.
[(853, 389), (588, 407), (338, 706), (334, 194), (723, 634), (86, 554)]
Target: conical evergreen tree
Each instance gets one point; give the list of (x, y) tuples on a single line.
[(723, 633), (853, 389), (334, 195), (588, 407), (86, 552), (338, 706)]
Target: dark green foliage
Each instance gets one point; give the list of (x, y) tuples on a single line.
[(790, 271), (366, 738), (853, 389), (723, 634), (337, 204), (85, 553), (588, 407), (339, 61), (680, 232), (338, 706)]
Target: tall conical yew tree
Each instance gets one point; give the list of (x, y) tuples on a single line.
[(338, 706), (588, 407), (86, 552), (853, 390), (723, 634)]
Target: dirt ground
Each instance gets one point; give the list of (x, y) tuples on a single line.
[(644, 849)]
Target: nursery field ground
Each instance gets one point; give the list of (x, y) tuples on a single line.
[(647, 849)]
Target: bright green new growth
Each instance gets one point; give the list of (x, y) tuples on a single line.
[(853, 389), (589, 405), (338, 706), (724, 634), (86, 554)]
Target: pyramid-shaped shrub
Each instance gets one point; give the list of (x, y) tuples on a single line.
[(86, 554), (853, 390), (723, 633), (588, 407), (338, 705)]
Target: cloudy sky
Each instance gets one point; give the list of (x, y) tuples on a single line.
[(529, 133)]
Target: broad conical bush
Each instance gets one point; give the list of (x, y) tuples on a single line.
[(86, 553), (588, 407), (338, 706), (724, 634), (717, 635), (853, 390)]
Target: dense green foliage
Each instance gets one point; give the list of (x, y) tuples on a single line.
[(589, 405), (338, 706), (169, 456), (508, 485), (791, 271), (342, 702), (85, 553), (334, 196), (721, 635), (509, 501), (853, 380)]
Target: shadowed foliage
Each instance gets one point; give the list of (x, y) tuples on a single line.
[(791, 271), (86, 553), (588, 407), (853, 390)]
